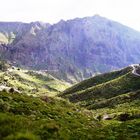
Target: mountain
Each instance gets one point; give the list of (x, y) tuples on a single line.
[(70, 50), (38, 104)]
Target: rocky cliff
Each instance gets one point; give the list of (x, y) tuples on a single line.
[(71, 50)]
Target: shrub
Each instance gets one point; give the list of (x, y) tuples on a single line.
[(22, 136), (124, 117), (11, 90)]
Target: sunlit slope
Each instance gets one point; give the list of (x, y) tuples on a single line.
[(31, 82)]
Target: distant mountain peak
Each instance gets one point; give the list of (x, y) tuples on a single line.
[(74, 49)]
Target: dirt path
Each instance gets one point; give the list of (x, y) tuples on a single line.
[(135, 67)]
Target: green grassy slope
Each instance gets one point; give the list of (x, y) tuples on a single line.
[(96, 80), (32, 118), (31, 82), (93, 92), (34, 112), (114, 99)]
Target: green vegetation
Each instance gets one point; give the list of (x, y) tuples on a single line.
[(114, 99), (96, 80), (107, 106), (34, 118), (115, 84), (31, 82)]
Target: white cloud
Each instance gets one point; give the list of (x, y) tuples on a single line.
[(124, 11)]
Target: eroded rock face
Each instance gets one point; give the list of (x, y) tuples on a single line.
[(72, 50)]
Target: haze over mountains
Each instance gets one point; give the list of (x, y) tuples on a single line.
[(70, 50)]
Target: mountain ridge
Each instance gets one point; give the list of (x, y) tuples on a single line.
[(105, 86), (77, 48)]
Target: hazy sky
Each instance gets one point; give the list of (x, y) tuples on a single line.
[(124, 11)]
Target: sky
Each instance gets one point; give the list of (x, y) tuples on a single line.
[(126, 12)]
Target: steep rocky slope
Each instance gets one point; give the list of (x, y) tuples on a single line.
[(71, 50)]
